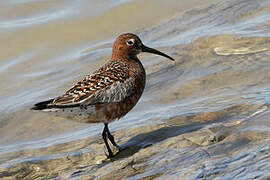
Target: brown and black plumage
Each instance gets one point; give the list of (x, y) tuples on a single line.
[(110, 92)]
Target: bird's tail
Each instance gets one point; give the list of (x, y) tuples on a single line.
[(72, 112), (42, 105)]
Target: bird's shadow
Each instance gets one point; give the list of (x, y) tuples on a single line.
[(145, 140)]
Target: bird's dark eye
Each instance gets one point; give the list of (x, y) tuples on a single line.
[(130, 42)]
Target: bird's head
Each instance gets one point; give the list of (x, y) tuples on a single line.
[(129, 45)]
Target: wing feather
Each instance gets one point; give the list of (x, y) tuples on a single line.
[(111, 83)]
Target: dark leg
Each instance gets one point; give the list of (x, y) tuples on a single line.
[(104, 135), (110, 136)]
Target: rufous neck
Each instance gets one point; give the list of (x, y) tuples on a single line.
[(122, 56)]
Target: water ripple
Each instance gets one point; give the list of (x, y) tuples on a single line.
[(35, 20)]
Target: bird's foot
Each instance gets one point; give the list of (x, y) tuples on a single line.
[(115, 151), (109, 154)]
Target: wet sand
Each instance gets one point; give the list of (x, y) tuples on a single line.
[(204, 117)]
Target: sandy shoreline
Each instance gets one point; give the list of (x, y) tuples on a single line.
[(212, 120)]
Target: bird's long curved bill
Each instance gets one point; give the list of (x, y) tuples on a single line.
[(154, 51)]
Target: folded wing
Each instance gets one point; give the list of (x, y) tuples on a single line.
[(111, 83)]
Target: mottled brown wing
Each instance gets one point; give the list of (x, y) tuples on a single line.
[(111, 83)]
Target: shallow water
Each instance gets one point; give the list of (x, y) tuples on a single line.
[(205, 116)]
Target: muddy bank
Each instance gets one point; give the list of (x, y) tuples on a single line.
[(202, 145)]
